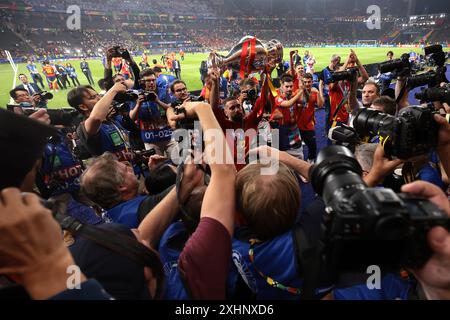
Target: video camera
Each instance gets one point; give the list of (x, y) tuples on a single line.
[(58, 117), (366, 226), (441, 94), (414, 132), (432, 78), (403, 67), (349, 74)]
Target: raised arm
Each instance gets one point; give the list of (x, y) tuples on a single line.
[(289, 103), (101, 109), (219, 200), (108, 70)]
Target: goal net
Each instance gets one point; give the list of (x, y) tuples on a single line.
[(367, 43)]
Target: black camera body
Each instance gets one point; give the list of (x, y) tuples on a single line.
[(367, 226), (400, 66), (349, 74), (187, 124), (414, 132), (435, 77), (133, 95), (252, 94), (118, 52), (435, 94), (120, 107), (429, 78), (44, 95)]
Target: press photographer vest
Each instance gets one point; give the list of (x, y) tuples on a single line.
[(170, 247), (126, 213), (153, 124), (274, 272), (60, 169), (114, 139)]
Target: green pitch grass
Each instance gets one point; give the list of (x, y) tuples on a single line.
[(190, 68)]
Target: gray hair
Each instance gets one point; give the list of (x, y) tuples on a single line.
[(101, 181)]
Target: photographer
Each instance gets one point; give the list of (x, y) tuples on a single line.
[(268, 250), (40, 263), (216, 220), (343, 98), (117, 52), (386, 78), (233, 117), (23, 98), (149, 112), (100, 132), (325, 77)]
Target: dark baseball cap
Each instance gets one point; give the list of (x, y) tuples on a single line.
[(22, 142)]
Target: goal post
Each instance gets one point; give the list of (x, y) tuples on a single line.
[(15, 69), (366, 43)]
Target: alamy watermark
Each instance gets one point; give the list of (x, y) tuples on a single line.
[(74, 20), (374, 280), (374, 21), (74, 279)]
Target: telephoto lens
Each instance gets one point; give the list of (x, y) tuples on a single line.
[(413, 133), (368, 121), (337, 174)]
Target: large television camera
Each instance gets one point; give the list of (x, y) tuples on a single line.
[(404, 67)]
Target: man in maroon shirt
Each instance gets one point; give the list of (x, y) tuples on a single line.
[(240, 129), (204, 264)]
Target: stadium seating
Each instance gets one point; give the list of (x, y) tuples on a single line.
[(39, 26)]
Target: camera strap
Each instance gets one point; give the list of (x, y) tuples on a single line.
[(339, 107), (308, 262), (399, 98)]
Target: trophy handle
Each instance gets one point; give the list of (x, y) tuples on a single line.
[(214, 60)]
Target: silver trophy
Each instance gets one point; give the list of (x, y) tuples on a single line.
[(255, 56)]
